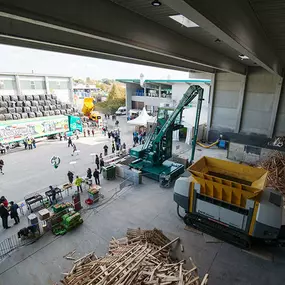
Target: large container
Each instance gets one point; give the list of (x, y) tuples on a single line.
[(109, 172), (228, 181)]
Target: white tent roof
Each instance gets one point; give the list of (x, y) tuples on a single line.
[(142, 119)]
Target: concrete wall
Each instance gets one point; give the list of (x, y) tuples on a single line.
[(280, 120), (258, 102), (130, 90), (226, 99), (244, 106)]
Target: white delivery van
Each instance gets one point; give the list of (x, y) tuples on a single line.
[(121, 111)]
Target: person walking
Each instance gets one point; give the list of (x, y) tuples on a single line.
[(93, 132), (88, 132), (14, 212), (97, 161), (69, 143), (78, 183), (101, 164), (70, 176), (25, 143), (113, 146), (89, 173), (53, 195), (34, 143), (74, 149), (96, 176), (4, 216), (105, 147), (1, 166), (101, 155), (84, 133)]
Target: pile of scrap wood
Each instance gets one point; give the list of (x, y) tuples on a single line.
[(142, 257), (275, 164)]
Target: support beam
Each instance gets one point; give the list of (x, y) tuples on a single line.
[(240, 103), (274, 110), (131, 36), (47, 85), (235, 24), (18, 85), (211, 102)]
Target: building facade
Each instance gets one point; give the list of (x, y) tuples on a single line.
[(36, 84)]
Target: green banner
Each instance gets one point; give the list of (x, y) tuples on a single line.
[(75, 123)]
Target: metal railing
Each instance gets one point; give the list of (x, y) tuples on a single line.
[(14, 242)]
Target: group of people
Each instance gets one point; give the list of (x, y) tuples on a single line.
[(139, 137), (89, 132), (29, 143), (8, 209)]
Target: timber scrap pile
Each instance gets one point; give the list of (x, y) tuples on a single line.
[(275, 164), (142, 257)]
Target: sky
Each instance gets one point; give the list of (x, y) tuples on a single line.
[(25, 60)]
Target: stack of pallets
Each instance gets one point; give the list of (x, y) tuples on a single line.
[(134, 260)]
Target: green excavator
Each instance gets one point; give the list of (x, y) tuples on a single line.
[(152, 156)]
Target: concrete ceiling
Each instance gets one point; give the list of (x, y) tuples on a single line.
[(135, 31)]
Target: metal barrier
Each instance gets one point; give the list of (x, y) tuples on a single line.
[(12, 243)]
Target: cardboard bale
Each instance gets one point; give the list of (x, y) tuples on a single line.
[(12, 104), (38, 114), (8, 117), (6, 98), (35, 103), (52, 107), (11, 110), (57, 112), (54, 97), (26, 109), (52, 102), (40, 108), (36, 97), (51, 113), (68, 111), (21, 98), (44, 214), (3, 104), (68, 106), (3, 110), (42, 97), (47, 102), (2, 117), (63, 112), (27, 103), (29, 97), (24, 115), (46, 113), (48, 97), (41, 102), (34, 109), (14, 98), (20, 103), (58, 106), (31, 115), (46, 108), (16, 116), (18, 110)]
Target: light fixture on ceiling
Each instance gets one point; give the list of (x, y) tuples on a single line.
[(242, 57), (156, 3), (184, 21)]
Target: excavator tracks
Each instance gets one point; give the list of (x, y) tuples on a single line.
[(218, 230)]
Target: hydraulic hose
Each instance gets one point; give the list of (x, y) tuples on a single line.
[(207, 146)]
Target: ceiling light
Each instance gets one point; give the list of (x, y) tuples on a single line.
[(242, 57), (156, 3), (184, 21)]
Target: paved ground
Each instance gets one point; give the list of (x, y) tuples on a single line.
[(146, 206)]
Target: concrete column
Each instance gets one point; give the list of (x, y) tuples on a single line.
[(211, 102), (240, 103), (71, 96), (274, 111), (18, 85), (159, 91), (47, 85)]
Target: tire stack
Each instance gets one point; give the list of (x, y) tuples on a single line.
[(13, 107)]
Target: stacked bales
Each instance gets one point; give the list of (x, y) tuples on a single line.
[(15, 107)]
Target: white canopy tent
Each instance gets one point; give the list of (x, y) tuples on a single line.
[(142, 119)]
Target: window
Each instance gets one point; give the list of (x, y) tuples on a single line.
[(2, 85), (33, 85), (57, 85)]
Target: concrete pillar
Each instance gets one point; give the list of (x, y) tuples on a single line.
[(211, 102), (278, 90), (71, 95), (47, 85), (159, 91), (240, 103), (18, 85)]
